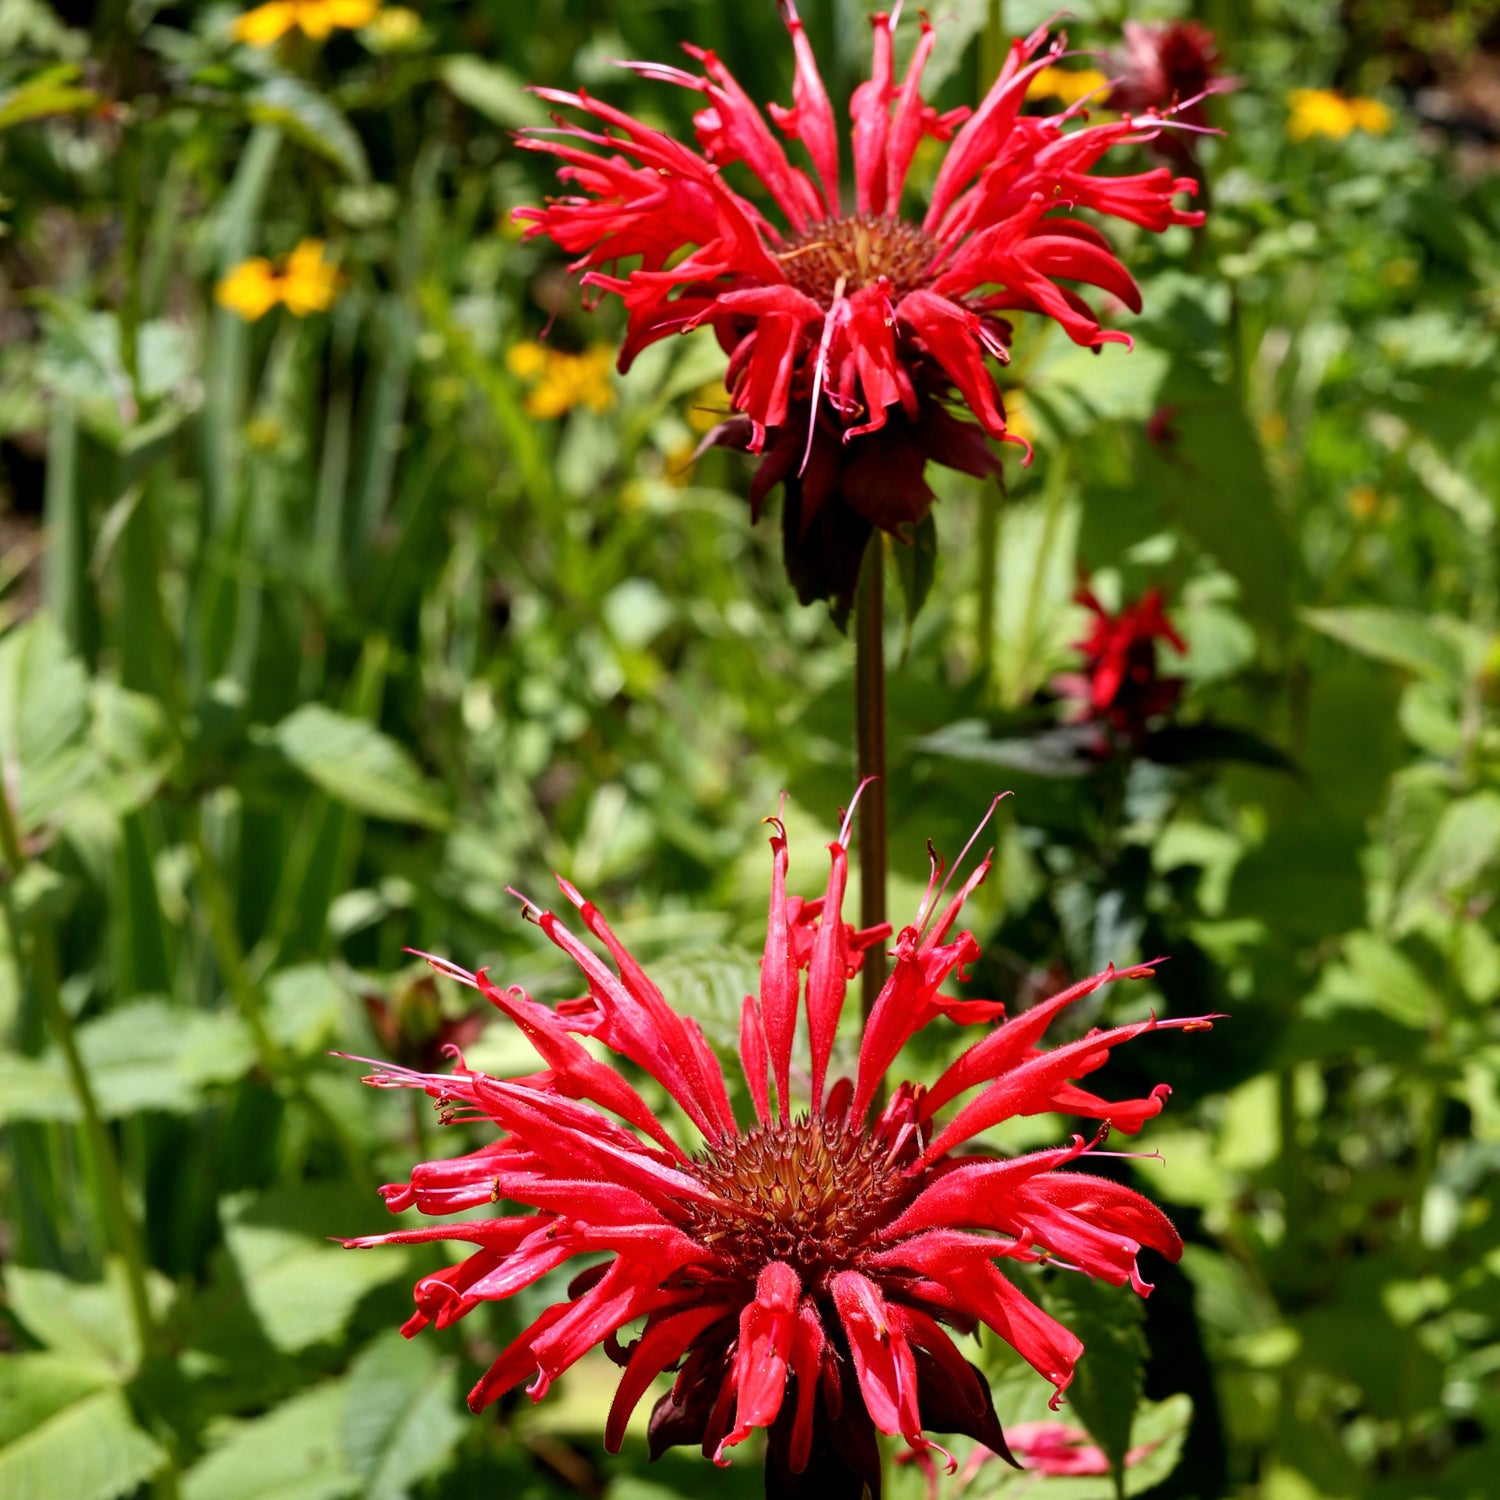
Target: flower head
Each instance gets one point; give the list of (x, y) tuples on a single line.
[(560, 381), (315, 19), (1169, 65), (1120, 684), (304, 284), (803, 1271), (1327, 112), (849, 326)]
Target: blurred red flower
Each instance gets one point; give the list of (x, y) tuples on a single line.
[(1120, 684), (800, 1273), (848, 326), (1169, 65)]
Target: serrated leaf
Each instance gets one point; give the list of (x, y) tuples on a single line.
[(400, 1416), (1396, 636), (311, 119), (359, 766), (1038, 573), (1107, 1382), (87, 1321), (710, 987), (1464, 844), (43, 718), (301, 1288), (291, 1453), (496, 92), (61, 1434)]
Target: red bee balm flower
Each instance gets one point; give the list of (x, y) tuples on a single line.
[(849, 327), (801, 1273), (1120, 684), (1170, 65)]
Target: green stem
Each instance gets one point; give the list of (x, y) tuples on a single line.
[(869, 713), (127, 1235)]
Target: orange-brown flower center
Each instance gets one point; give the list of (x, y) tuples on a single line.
[(855, 251), (811, 1193)]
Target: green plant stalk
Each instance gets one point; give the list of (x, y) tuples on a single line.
[(127, 1235), (869, 716), (248, 999)]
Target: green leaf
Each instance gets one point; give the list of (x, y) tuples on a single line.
[(916, 565), (291, 1453), (33, 1089), (1107, 1383), (709, 986), (51, 92), (359, 766), (311, 119), (43, 718), (301, 1288), (400, 1417), (1396, 636), (496, 92), (61, 1434), (1038, 570), (151, 1055), (86, 1321), (1462, 847)]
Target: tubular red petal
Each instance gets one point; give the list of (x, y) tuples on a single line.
[(664, 1342), (810, 120), (779, 977), (951, 333), (767, 1328), (870, 109), (1027, 1088), (827, 976), (1008, 1045), (753, 1057), (906, 127)]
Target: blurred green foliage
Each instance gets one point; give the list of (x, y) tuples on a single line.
[(316, 637)]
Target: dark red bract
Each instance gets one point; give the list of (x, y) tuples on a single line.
[(804, 1272), (850, 329), (1169, 65)]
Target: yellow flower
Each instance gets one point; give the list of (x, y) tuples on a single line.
[(250, 289), (1273, 429), (708, 407), (393, 28), (1363, 501), (1066, 84), (1016, 418), (305, 284), (561, 381), (309, 284), (313, 18), (1370, 115), (527, 359), (1327, 112)]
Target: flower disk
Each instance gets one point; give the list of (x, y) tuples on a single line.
[(812, 1193), (803, 1271)]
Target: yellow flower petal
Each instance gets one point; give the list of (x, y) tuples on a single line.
[(265, 24), (1318, 112), (1067, 84), (250, 289), (1370, 115), (309, 284), (526, 360)]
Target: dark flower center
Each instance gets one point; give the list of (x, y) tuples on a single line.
[(855, 251), (811, 1193)]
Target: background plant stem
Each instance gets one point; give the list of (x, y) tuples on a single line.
[(869, 712)]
